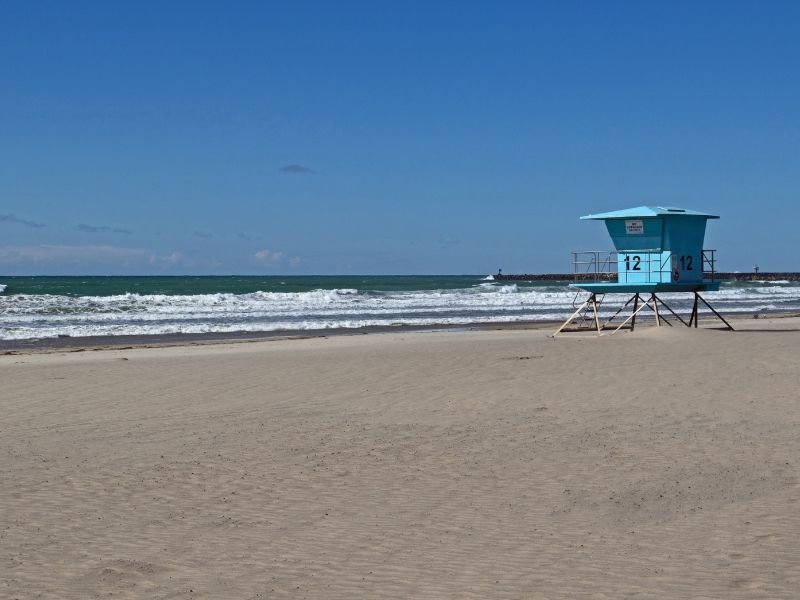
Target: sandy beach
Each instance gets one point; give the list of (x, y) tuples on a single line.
[(662, 463)]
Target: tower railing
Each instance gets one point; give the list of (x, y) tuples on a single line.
[(709, 260), (653, 266)]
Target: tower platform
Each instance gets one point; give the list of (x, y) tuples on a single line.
[(645, 288)]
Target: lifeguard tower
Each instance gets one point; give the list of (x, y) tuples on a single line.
[(657, 249)]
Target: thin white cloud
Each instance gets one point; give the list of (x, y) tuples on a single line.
[(176, 258), (53, 255), (268, 256), (47, 254), (276, 258)]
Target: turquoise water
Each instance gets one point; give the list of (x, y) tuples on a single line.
[(188, 285), (47, 307)]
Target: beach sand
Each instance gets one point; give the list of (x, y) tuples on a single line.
[(662, 463)]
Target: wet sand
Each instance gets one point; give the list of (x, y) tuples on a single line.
[(484, 464), (126, 342)]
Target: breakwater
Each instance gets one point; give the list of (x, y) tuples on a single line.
[(772, 276)]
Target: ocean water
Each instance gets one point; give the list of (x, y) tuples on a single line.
[(47, 307)]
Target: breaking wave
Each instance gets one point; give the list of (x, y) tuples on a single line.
[(26, 316)]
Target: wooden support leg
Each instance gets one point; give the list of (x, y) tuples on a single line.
[(632, 317), (596, 317), (638, 306), (575, 314), (614, 316), (655, 309)]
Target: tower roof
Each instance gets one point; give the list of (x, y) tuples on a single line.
[(639, 212)]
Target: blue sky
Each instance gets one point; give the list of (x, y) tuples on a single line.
[(388, 137)]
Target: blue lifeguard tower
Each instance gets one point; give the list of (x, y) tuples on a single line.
[(657, 249)]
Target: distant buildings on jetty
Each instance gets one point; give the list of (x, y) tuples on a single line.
[(760, 276)]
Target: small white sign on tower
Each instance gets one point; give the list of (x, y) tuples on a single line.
[(635, 227)]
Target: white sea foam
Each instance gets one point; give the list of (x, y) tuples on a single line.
[(2, 287), (41, 316)]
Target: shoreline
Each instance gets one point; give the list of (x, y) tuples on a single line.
[(125, 342)]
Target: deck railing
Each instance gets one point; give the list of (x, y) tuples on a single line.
[(652, 265)]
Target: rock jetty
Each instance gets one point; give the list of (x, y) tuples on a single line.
[(775, 276)]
